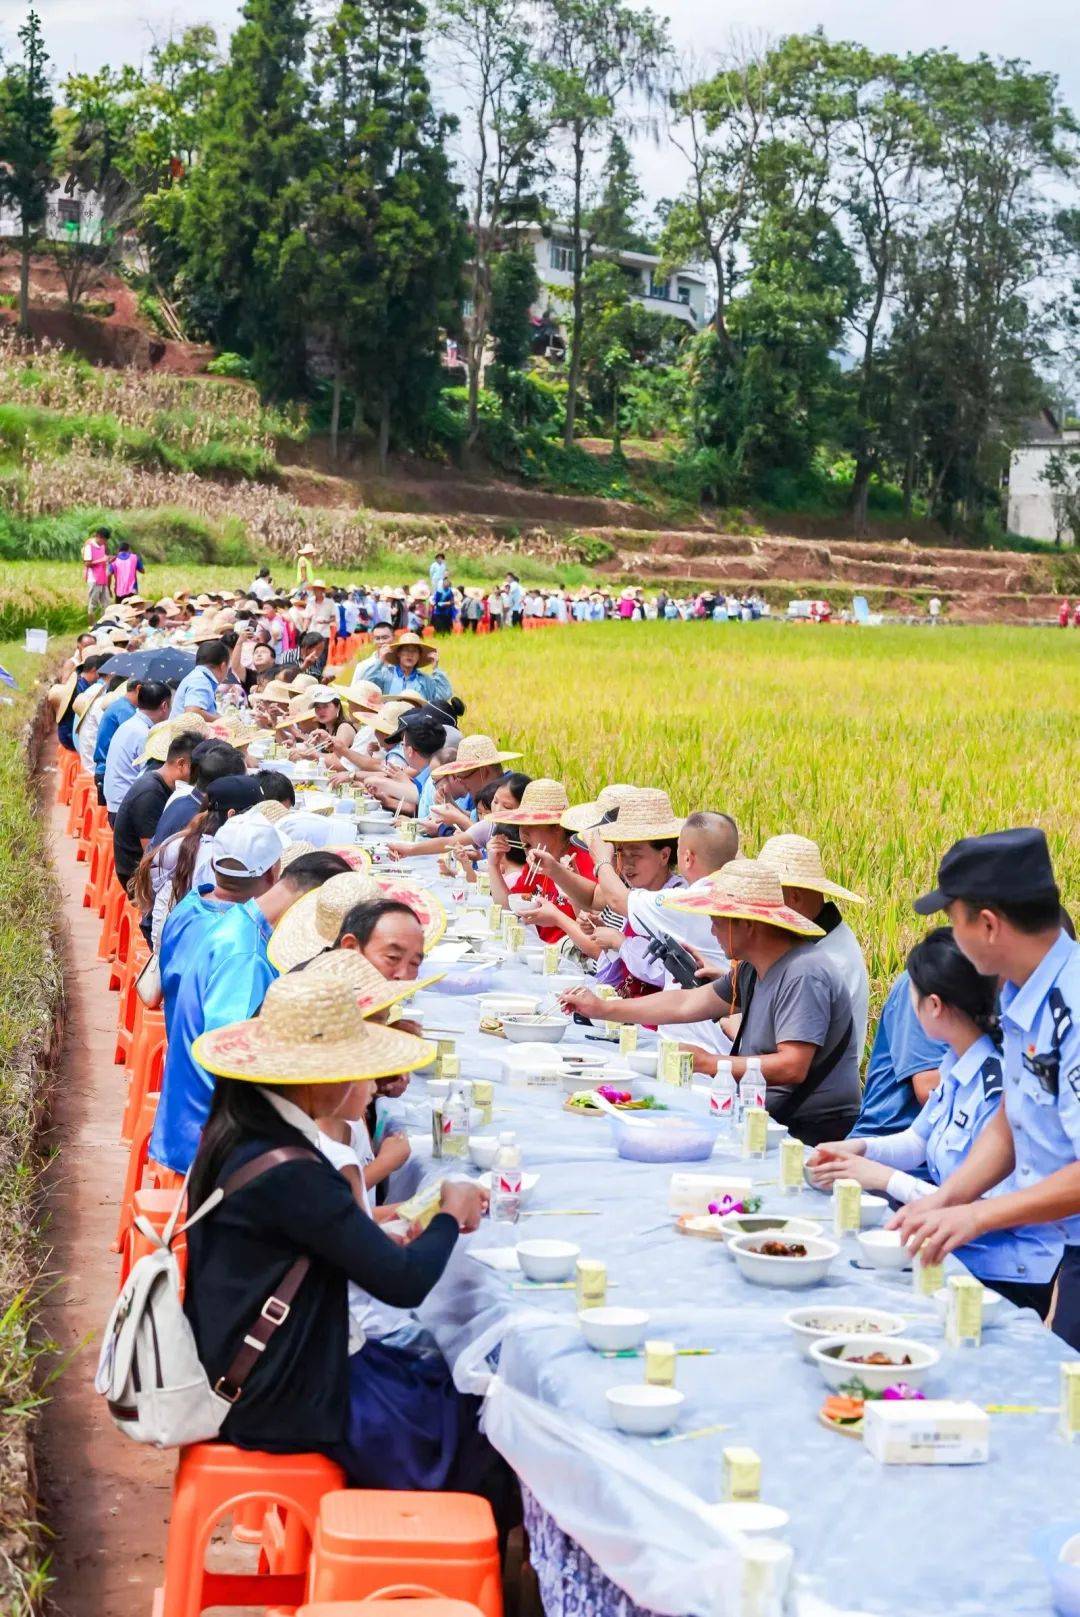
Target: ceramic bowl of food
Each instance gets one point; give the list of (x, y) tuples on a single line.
[(781, 1224), (644, 1411), (500, 1005), (483, 1149), (643, 1061), (546, 1260), (993, 1305), (375, 825), (529, 1182), (595, 1078), (878, 1363), (783, 1261), (810, 1325), (613, 1330), (534, 1029), (874, 1210), (883, 1249), (520, 902)]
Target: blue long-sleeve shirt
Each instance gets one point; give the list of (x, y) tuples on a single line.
[(119, 710)]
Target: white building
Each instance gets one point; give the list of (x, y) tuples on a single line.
[(1031, 504), (76, 216), (682, 295)]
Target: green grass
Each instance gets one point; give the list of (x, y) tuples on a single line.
[(885, 745), (29, 430), (30, 987)]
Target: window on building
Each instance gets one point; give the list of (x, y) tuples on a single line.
[(658, 287), (468, 308), (69, 210), (683, 295), (562, 257)]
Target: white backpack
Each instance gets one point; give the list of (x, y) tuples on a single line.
[(149, 1369)]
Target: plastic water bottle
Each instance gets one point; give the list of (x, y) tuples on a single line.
[(456, 1123), (724, 1096), (752, 1086), (506, 1182)]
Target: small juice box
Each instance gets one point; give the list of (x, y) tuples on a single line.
[(792, 1159), (847, 1206), (449, 1065), (483, 883), (443, 1048), (590, 1276), (660, 1364), (755, 1132), (495, 915), (926, 1278), (483, 1095), (515, 935), (628, 1039), (552, 955), (408, 829), (1069, 1416), (741, 1475), (963, 1315)]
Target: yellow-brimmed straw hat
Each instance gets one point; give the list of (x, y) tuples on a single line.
[(311, 1029), (387, 722), (647, 816), (374, 992), (314, 922), (86, 699), (584, 816), (273, 811), (475, 752), (797, 862), (304, 682), (403, 643), (543, 802), (159, 737), (295, 850), (743, 890), (275, 690), (367, 697), (60, 695)]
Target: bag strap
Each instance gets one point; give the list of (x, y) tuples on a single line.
[(819, 1071), (278, 1306)]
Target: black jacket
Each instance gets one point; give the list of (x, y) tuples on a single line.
[(296, 1398)]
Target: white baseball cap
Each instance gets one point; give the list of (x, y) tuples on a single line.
[(246, 846)]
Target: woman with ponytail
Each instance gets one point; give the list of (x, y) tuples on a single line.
[(958, 1006)]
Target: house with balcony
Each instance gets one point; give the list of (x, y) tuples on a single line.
[(681, 295), (71, 215), (1031, 509)]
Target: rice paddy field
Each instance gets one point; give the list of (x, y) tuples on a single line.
[(884, 745)]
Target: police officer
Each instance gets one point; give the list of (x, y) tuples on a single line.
[(1001, 898)]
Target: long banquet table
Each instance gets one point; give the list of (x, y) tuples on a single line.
[(620, 1524)]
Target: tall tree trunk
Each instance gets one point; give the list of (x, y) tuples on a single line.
[(475, 342), (860, 495), (335, 410), (24, 284), (384, 435), (909, 480), (574, 373), (616, 430)]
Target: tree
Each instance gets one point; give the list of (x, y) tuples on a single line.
[(27, 147), (242, 203), (515, 287), (593, 53), (1062, 474), (507, 125), (611, 334), (614, 222)]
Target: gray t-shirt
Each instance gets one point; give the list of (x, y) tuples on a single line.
[(802, 999)]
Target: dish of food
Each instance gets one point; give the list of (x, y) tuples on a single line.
[(877, 1358), (844, 1414), (782, 1249), (810, 1325), (844, 1360), (707, 1226), (583, 1101)]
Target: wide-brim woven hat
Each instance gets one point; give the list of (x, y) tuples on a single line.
[(159, 738), (294, 851), (313, 924), (205, 631), (742, 890), (363, 698), (543, 802), (475, 752), (61, 694), (797, 862), (374, 992), (584, 816), (407, 642), (86, 699), (387, 722), (646, 816), (306, 550), (275, 690), (271, 810)]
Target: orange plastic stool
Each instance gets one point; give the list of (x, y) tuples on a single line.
[(82, 790), (138, 1158), (127, 935), (148, 1064), (66, 770), (392, 1607), (102, 869), (157, 1207), (111, 911), (213, 1480), (369, 1542), (95, 818), (129, 1024)]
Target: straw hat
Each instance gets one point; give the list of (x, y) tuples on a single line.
[(275, 690), (403, 643), (306, 550), (584, 816), (273, 811), (295, 850), (60, 695), (166, 605), (205, 631), (387, 722), (86, 699), (475, 752), (202, 602), (743, 890), (311, 1029), (365, 697), (313, 923), (647, 816), (797, 862), (374, 992), (543, 802), (159, 737), (304, 682)]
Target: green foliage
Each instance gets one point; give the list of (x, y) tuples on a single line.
[(234, 365), (25, 429), (592, 549), (149, 308), (27, 143), (615, 220), (162, 536), (515, 287)]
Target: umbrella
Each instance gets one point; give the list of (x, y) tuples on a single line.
[(164, 665)]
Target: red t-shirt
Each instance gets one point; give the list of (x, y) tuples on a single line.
[(579, 860)]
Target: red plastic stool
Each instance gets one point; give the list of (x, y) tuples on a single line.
[(156, 1206), (111, 912), (95, 818), (136, 1173), (82, 790), (129, 1023), (371, 1542), (392, 1607), (67, 768), (148, 1064), (102, 869), (128, 935), (213, 1480)]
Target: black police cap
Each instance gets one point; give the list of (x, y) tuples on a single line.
[(1009, 867)]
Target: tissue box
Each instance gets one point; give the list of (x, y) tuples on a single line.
[(926, 1431), (692, 1192)]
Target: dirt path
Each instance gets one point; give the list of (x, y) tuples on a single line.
[(105, 1498)]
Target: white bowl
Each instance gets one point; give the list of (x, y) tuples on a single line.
[(520, 902), (529, 1182), (874, 1211), (546, 1260), (483, 1149), (833, 1356), (643, 1061), (592, 1078), (643, 1410), (780, 1225), (501, 1005), (762, 1270), (611, 1330), (374, 825), (810, 1325), (438, 1088), (533, 958), (883, 1249), (774, 1132), (750, 1517), (534, 1029), (993, 1305)]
